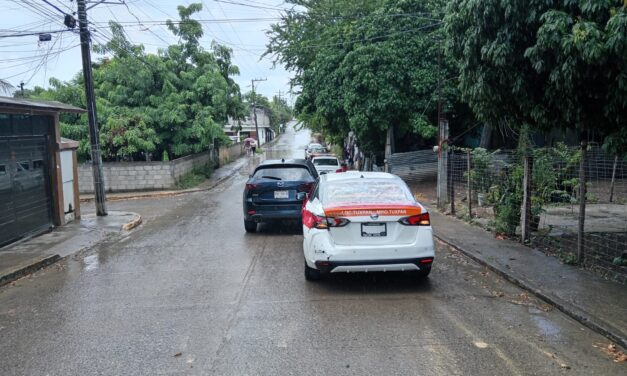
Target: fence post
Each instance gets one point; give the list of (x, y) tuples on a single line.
[(613, 178), (525, 210), (469, 185), (451, 181), (582, 202)]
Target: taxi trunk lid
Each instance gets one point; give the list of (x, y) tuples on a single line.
[(375, 225)]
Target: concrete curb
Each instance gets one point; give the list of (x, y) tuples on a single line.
[(52, 259), (565, 307), (26, 270)]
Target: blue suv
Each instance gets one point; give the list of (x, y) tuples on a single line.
[(276, 190)]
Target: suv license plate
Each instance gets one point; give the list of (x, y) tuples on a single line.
[(370, 230), (281, 194)]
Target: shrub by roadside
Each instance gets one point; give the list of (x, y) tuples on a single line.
[(195, 177)]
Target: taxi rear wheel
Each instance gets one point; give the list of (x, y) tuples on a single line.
[(424, 273), (312, 274)]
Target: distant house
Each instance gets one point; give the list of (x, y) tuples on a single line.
[(239, 130)]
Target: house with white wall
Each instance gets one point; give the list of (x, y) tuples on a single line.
[(238, 130)]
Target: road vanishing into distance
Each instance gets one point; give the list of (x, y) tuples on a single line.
[(190, 293)]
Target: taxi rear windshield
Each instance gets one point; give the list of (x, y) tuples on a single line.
[(366, 192), (291, 173)]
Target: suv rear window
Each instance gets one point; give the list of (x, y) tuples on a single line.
[(294, 173), (325, 162)]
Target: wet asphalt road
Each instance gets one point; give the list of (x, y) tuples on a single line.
[(190, 292)]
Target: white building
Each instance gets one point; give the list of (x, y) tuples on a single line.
[(239, 130)]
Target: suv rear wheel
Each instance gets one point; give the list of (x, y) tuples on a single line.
[(250, 226)]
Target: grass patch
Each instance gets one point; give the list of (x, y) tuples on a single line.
[(195, 177)]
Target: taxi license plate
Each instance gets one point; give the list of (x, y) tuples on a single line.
[(281, 194), (373, 230)]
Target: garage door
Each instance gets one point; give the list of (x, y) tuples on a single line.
[(25, 202)]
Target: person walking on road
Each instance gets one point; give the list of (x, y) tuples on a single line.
[(253, 146)]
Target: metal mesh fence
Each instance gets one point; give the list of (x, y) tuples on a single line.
[(489, 188)]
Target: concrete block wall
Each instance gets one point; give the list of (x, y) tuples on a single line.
[(182, 166), (141, 176), (229, 153)]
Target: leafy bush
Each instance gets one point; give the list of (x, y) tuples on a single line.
[(510, 193), (195, 177)]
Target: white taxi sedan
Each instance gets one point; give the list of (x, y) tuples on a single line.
[(365, 222)]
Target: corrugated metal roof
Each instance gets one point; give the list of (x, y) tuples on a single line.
[(37, 105)]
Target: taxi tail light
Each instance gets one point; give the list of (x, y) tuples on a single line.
[(337, 222), (311, 220), (339, 170), (416, 220)]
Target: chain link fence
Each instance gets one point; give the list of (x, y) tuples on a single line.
[(536, 196)]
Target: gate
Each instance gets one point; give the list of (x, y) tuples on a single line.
[(415, 166), (25, 192)]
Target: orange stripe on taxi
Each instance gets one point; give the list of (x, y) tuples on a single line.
[(366, 210)]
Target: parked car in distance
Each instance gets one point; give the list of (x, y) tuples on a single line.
[(326, 164), (314, 148), (365, 222), (276, 190)]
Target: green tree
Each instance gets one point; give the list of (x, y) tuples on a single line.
[(367, 65), (543, 64), (174, 102)]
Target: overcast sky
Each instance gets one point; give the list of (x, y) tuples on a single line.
[(241, 25)]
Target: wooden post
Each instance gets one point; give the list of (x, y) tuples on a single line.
[(582, 202), (613, 178), (525, 210), (469, 162)]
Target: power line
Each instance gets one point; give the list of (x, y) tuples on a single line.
[(255, 67), (33, 33), (56, 7), (248, 5)]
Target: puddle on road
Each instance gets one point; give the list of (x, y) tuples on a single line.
[(91, 262), (547, 327)]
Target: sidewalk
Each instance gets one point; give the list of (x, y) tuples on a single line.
[(27, 256), (591, 300)]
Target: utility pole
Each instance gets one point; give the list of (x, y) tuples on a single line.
[(99, 189), (255, 107), (443, 149)]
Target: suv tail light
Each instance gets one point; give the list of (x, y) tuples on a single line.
[(416, 220), (251, 186), (306, 187), (311, 220)]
